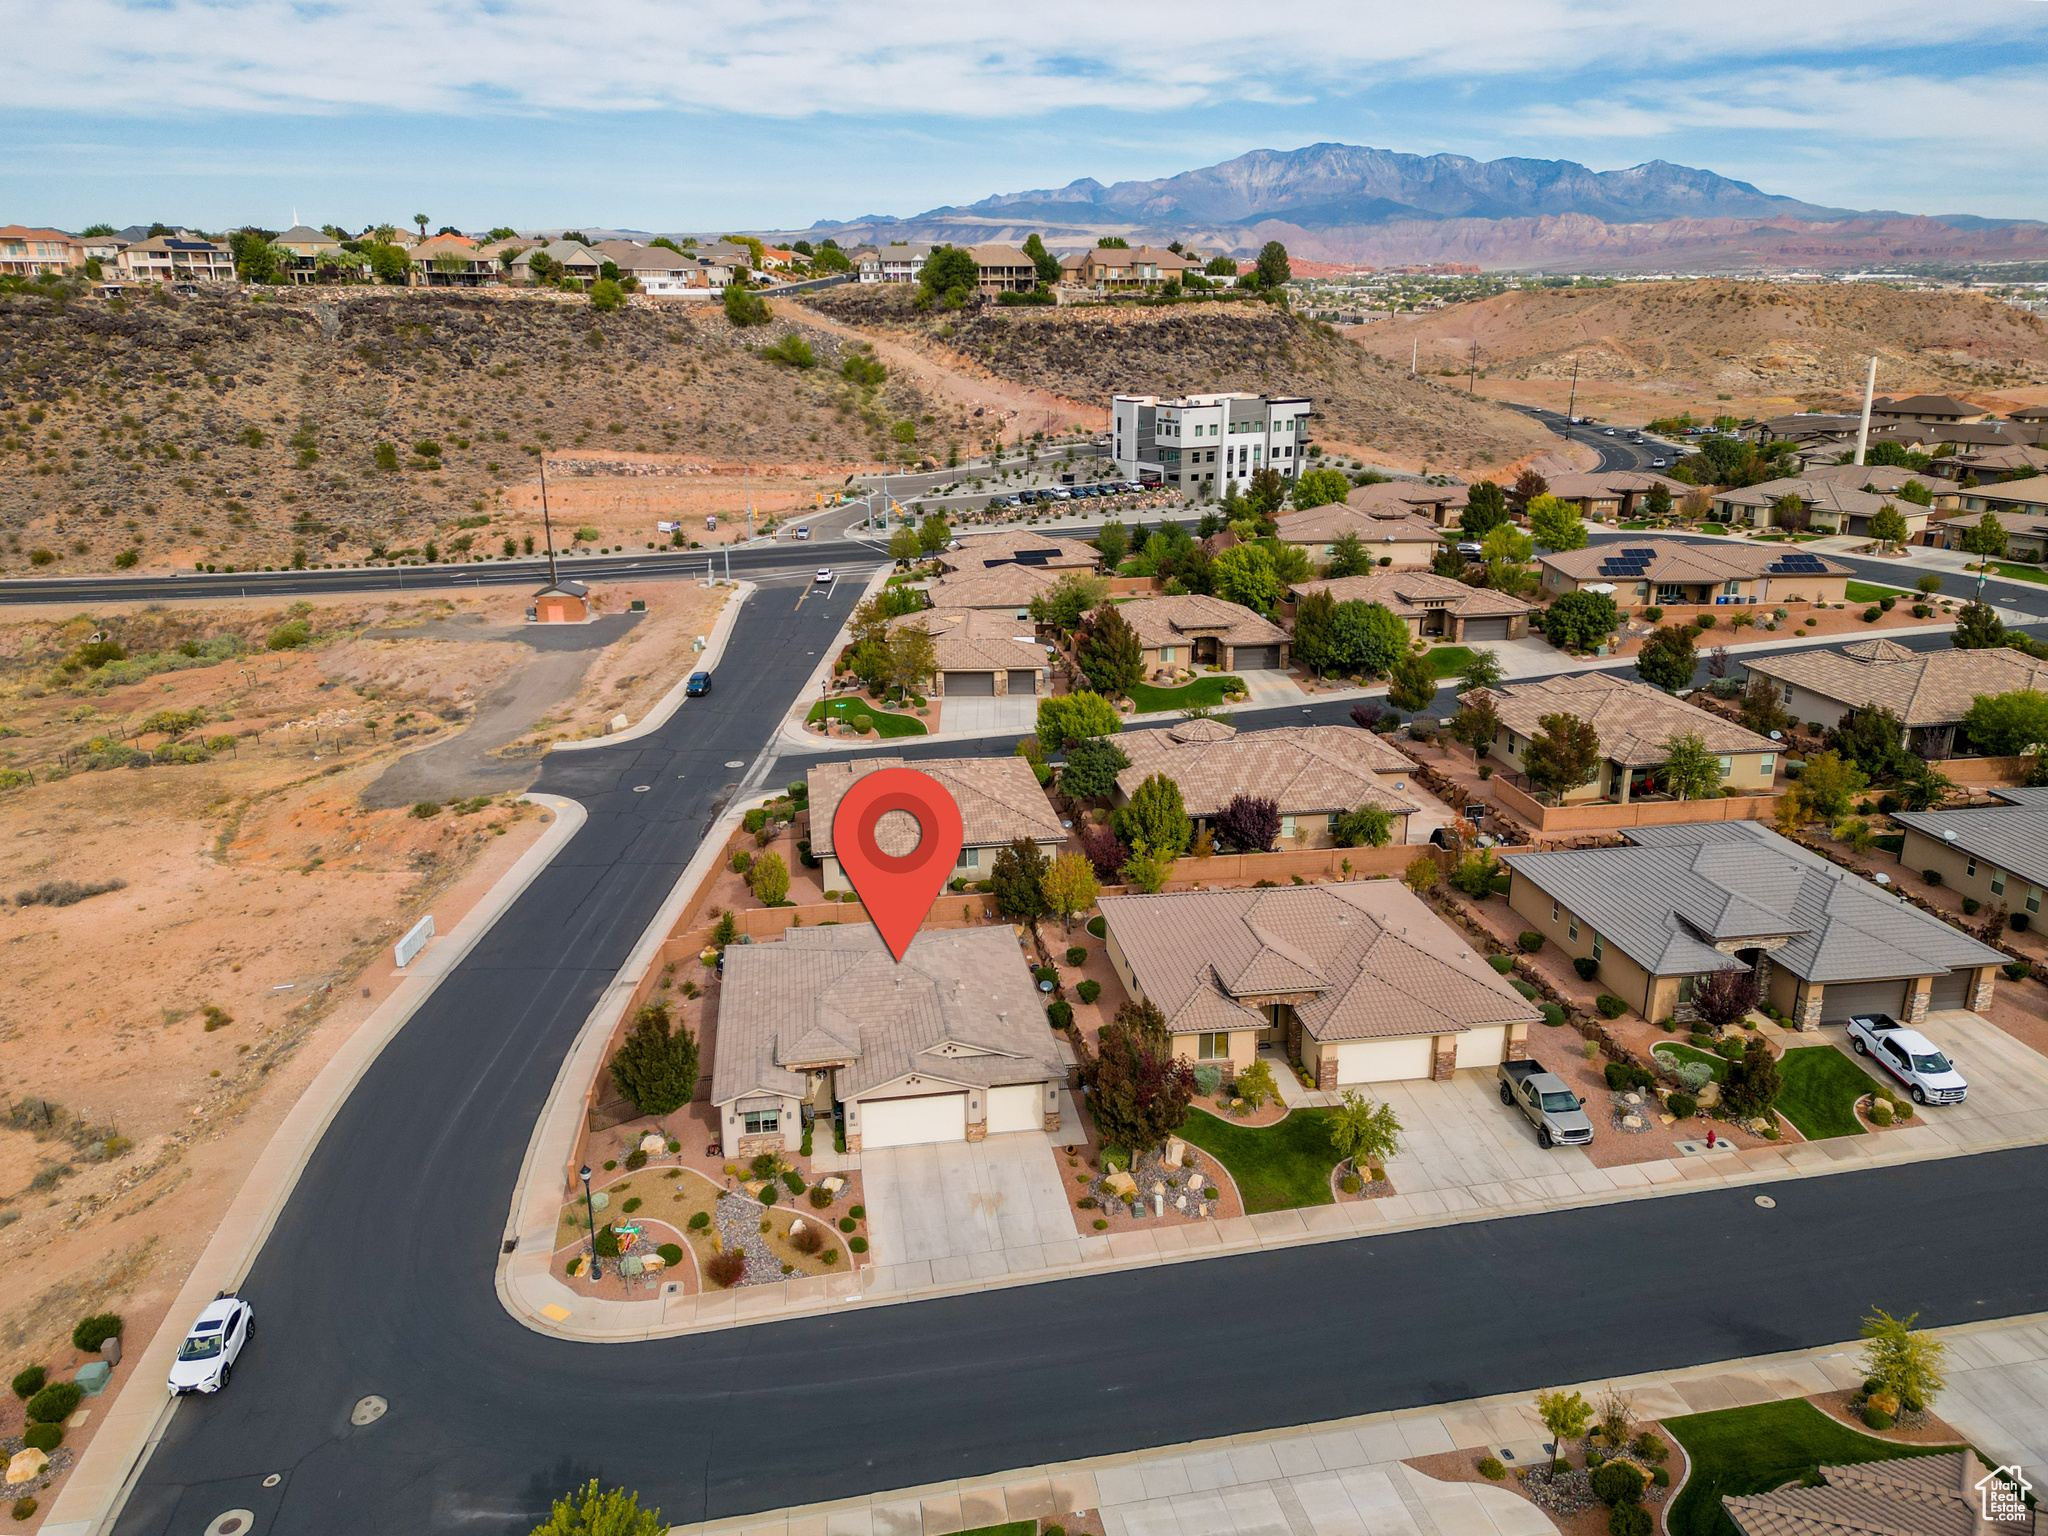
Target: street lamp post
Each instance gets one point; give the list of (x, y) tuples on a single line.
[(590, 1206)]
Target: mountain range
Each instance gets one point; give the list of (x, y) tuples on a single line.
[(1347, 202)]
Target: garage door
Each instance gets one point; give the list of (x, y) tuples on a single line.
[(1841, 1000), (1482, 1047), (970, 685), (1952, 990), (1486, 629), (1384, 1061), (1015, 1107), (1258, 658), (1023, 680), (913, 1122)]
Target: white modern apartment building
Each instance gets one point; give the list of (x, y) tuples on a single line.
[(894, 263), (1206, 443)]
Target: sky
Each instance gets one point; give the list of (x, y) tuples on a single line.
[(766, 114)]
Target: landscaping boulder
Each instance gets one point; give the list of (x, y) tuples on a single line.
[(1122, 1185), (653, 1142), (27, 1465)]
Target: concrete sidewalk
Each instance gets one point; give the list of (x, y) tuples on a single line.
[(1346, 1478)]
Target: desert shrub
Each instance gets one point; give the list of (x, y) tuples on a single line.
[(2018, 970), (1683, 1106), (632, 1205), (636, 1160), (291, 636), (1351, 1184), (1526, 988), (742, 861), (820, 1197), (1877, 1418), (1661, 1476), (846, 1223), (29, 1382), (65, 893), (1059, 1013), (858, 1213), (94, 1331), (24, 1507), (1610, 1006), (1490, 1467), (830, 1256), (55, 1403), (768, 1194), (1618, 1482), (1089, 990), (857, 1244), (43, 1437), (793, 1182), (1630, 1520), (1649, 1447), (1731, 1048), (726, 1269), (426, 810), (1076, 955), (1586, 966), (1880, 1113), (605, 1243), (671, 1254), (700, 1220), (807, 1238), (1501, 963), (1208, 1079), (1931, 876), (1529, 943), (1553, 1015)]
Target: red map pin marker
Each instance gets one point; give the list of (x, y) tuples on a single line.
[(897, 891)]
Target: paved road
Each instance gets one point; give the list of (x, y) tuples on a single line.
[(1615, 452)]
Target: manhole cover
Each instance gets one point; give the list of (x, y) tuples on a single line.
[(368, 1411), (1767, 1202), (273, 1480), (236, 1522), (735, 763), (641, 789)]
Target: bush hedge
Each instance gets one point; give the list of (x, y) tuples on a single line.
[(1553, 1015), (1610, 1006), (29, 1382), (1683, 1106), (1586, 966), (1059, 1013), (55, 1403), (1089, 990), (1077, 954), (1529, 943), (1501, 963), (43, 1437), (1490, 1468), (1931, 876), (94, 1331), (671, 1254), (1618, 1482)]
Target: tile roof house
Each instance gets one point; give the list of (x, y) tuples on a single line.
[(893, 263), (1988, 466), (1635, 724), (1197, 630), (1930, 691), (999, 801), (569, 256), (1315, 772), (178, 258), (1001, 588), (1832, 506), (1389, 532), (1609, 496), (1938, 1495), (26, 252), (1358, 981), (1667, 574), (2021, 505), (1927, 408), (1441, 504), (1004, 269), (454, 261), (982, 653), (949, 1045), (1685, 901), (1433, 607), (1995, 853), (1111, 268), (1015, 546)]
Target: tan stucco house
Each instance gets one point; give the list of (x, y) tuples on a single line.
[(1995, 853), (1395, 533), (1196, 630), (1359, 981), (999, 801), (1663, 573), (1930, 691), (1433, 607), (951, 1045), (1686, 901), (1607, 497), (982, 653)]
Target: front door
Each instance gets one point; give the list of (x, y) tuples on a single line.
[(1269, 1032)]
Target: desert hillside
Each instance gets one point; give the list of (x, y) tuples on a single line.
[(1739, 339), (1089, 352), (245, 429)]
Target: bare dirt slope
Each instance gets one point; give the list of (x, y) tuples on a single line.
[(1809, 342), (244, 428), (1086, 353)]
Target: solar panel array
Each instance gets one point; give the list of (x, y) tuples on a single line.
[(1799, 565)]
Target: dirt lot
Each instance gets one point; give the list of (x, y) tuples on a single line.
[(153, 1033)]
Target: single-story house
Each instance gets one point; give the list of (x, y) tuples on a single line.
[(949, 1045), (1316, 773), (1197, 630), (1433, 607), (1608, 497), (570, 257), (1996, 853), (1930, 691), (1664, 573), (2009, 499), (2026, 532), (1389, 532), (998, 588), (1833, 505), (1988, 466), (1930, 437), (1358, 981), (1945, 1494), (982, 653), (1685, 901), (999, 801), (1441, 504), (1016, 546), (1635, 724)]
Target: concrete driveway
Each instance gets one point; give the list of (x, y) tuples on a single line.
[(2008, 1081), (964, 1211), (1456, 1135), (989, 716)]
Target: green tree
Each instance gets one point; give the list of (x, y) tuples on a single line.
[(768, 879), (1156, 817), (1112, 243), (1138, 1091), (1874, 739), (1578, 621), (1290, 562), (1920, 496), (1146, 870), (1978, 628), (1074, 717), (743, 306), (388, 263), (587, 1512), (951, 274), (1367, 637), (1018, 876), (421, 220), (655, 1069), (1244, 574), (1365, 826), (1111, 657), (1485, 509), (1063, 603), (1068, 886), (1047, 264), (1091, 768), (1481, 670), (1476, 725), (934, 534), (1273, 268), (1348, 556), (1565, 1414), (1221, 266), (1691, 771), (1903, 1360), (1888, 527), (606, 295), (2008, 724), (1667, 659), (1267, 489), (1364, 1132), (913, 656), (1563, 755), (1505, 553), (1829, 786), (1659, 502), (1555, 523), (1112, 542), (1411, 683), (1753, 1083), (1320, 487), (1761, 711), (904, 545), (1314, 623), (1985, 538)]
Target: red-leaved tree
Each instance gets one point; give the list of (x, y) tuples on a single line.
[(1138, 1091), (1249, 823)]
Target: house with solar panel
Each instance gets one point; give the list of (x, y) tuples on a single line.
[(1662, 573)]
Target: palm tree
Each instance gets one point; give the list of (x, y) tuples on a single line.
[(421, 220), (385, 233)]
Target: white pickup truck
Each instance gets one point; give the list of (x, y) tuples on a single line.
[(1909, 1056)]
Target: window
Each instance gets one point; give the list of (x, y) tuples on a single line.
[(1727, 766), (759, 1122), (1287, 826), (970, 858), (1731, 588), (1333, 821), (1553, 909), (1573, 932), (1998, 882), (1598, 947), (1214, 1047), (1971, 867), (2034, 898), (1788, 695), (1687, 985), (1166, 653)]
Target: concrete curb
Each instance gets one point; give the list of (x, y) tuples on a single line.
[(136, 1419), (670, 702)]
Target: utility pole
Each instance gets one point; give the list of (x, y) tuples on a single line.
[(1414, 351), (546, 523), (1863, 431), (1572, 405), (1472, 371)]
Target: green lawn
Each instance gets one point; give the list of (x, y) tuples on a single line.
[(1008, 1528), (1449, 660), (1821, 1087), (2020, 572), (1203, 690), (886, 724), (1276, 1166), (1864, 592), (1633, 527), (1756, 1449), (1682, 1052), (1713, 527)]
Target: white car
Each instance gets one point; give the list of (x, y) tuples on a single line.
[(1656, 463), (1909, 1056), (804, 532), (824, 576), (207, 1357)]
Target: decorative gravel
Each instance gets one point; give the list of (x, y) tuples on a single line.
[(60, 1463), (1152, 1168), (739, 1227), (1633, 1105), (1562, 1493)]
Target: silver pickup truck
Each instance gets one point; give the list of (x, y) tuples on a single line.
[(1550, 1106)]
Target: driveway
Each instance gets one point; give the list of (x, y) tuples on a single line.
[(2008, 1081), (1457, 1134), (989, 716), (966, 1210)]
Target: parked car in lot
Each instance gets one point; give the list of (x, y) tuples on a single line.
[(1547, 1103), (207, 1357), (698, 685), (1909, 1056)]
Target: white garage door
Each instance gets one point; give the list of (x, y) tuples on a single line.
[(913, 1122), (1482, 1047), (1384, 1061), (1015, 1107), (1841, 1000), (1952, 990)]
